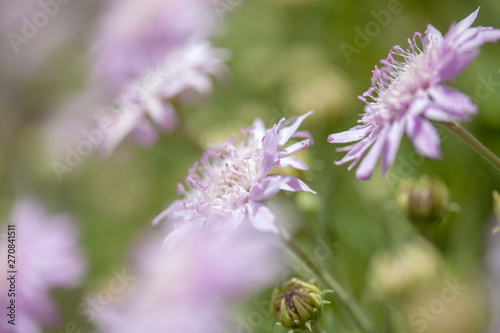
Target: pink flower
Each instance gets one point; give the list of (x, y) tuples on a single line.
[(407, 93), (133, 36), (145, 106), (231, 181), (47, 256), (150, 54), (193, 288)]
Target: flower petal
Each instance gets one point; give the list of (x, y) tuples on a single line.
[(295, 148), (392, 143), (261, 217), (292, 184), (435, 113), (461, 45), (265, 189), (176, 205), (294, 162), (273, 184), (354, 134), (145, 133), (365, 169), (162, 113), (482, 36), (433, 36), (176, 236), (303, 134), (259, 130), (122, 127), (466, 22), (424, 137), (456, 103), (453, 64), (271, 149), (356, 151), (286, 133)]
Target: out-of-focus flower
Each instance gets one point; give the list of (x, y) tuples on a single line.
[(407, 93), (400, 272), (231, 180), (133, 36), (150, 54), (146, 106), (47, 256), (193, 288), (423, 201), (298, 304)]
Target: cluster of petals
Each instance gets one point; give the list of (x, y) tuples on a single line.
[(146, 106), (231, 181), (407, 94), (150, 55), (47, 256), (194, 287)]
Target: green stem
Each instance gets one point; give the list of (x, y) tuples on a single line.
[(473, 142), (321, 274)]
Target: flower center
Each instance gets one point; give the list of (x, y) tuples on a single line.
[(227, 178)]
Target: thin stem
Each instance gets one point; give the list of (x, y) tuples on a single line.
[(332, 283), (473, 142)]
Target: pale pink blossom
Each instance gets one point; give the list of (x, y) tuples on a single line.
[(48, 256), (146, 106), (194, 287), (408, 93), (151, 55), (231, 182)]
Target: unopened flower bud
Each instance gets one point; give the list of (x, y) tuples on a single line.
[(423, 201), (298, 304)]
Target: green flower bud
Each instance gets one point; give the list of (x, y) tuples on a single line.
[(298, 304), (423, 201)]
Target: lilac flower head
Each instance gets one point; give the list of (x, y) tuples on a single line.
[(47, 256), (151, 54), (193, 288), (135, 35), (407, 93), (231, 180), (146, 105)]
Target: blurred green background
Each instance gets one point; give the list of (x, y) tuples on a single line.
[(286, 60)]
